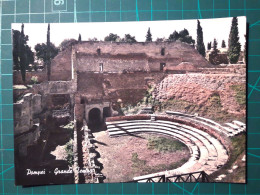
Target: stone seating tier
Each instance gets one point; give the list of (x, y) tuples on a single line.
[(207, 153)]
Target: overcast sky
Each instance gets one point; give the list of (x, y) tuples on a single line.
[(212, 28)]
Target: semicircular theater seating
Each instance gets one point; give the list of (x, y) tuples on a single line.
[(207, 153)]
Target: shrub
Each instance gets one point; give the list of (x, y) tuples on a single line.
[(34, 80)]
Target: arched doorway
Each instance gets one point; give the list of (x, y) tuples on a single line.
[(94, 116)]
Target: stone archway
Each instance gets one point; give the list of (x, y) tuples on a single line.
[(95, 116)]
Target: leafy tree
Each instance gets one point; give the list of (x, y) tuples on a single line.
[(234, 47), (209, 46), (112, 37), (174, 36), (128, 38), (182, 36), (22, 53), (79, 39), (223, 44), (93, 39), (149, 36), (184, 33), (161, 39), (200, 43), (41, 51), (67, 43)]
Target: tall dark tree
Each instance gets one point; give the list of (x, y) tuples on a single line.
[(214, 57), (200, 43), (223, 44), (215, 47), (209, 46), (79, 39), (48, 56), (245, 50), (234, 47), (149, 36), (112, 37), (22, 53)]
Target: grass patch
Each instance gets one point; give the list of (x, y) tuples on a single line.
[(140, 166), (238, 145), (163, 144), (163, 167), (240, 94), (215, 99)]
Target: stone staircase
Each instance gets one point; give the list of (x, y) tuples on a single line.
[(230, 129)]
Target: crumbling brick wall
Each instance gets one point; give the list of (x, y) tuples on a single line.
[(107, 57)]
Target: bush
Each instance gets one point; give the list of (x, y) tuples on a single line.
[(34, 80)]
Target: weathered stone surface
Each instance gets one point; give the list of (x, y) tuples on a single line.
[(198, 88), (123, 58), (36, 104)]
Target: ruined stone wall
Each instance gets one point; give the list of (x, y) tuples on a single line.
[(17, 77), (61, 66), (123, 57), (129, 87), (111, 63), (135, 57), (55, 87)]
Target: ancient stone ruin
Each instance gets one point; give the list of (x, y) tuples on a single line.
[(92, 81)]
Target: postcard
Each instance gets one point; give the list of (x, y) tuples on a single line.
[(154, 101)]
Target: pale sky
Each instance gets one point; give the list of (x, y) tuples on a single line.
[(212, 28)]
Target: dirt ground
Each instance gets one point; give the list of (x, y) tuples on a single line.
[(116, 155)]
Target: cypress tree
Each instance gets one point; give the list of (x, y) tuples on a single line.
[(223, 45), (234, 47), (215, 47), (209, 46), (48, 62), (148, 36), (22, 53), (79, 39), (200, 43)]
